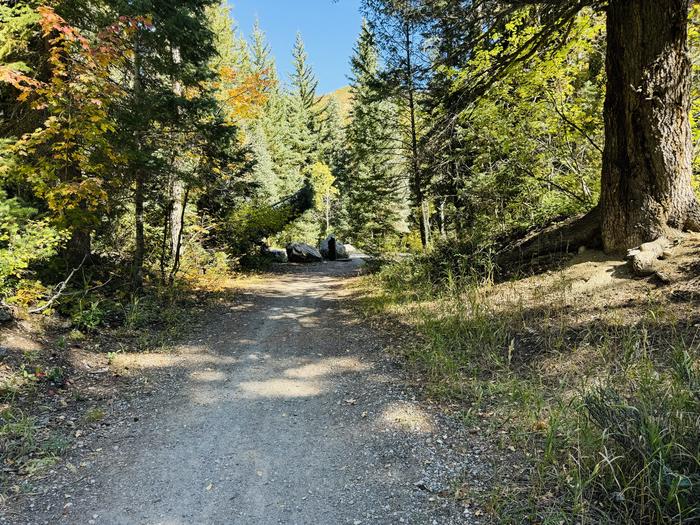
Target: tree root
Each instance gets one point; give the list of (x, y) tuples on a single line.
[(562, 237), (585, 231), (644, 260), (692, 222)]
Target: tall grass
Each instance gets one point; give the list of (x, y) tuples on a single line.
[(614, 438)]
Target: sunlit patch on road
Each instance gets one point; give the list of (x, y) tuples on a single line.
[(407, 417), (276, 388)]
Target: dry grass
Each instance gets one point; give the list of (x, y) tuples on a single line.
[(583, 380)]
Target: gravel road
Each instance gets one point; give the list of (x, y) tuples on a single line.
[(283, 410)]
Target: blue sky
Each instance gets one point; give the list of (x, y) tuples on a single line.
[(329, 29)]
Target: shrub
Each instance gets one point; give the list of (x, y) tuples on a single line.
[(24, 240), (249, 224)]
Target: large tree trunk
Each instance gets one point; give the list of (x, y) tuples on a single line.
[(646, 188)]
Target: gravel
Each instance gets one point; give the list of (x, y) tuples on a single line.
[(286, 410)]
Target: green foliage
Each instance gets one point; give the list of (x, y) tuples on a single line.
[(325, 193), (24, 240), (304, 86), (648, 464), (529, 149), (694, 44), (94, 415), (19, 25), (306, 229), (89, 315), (66, 161), (23, 448), (371, 181), (249, 224)]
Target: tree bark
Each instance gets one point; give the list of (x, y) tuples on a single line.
[(425, 222), (441, 219), (79, 246), (177, 251), (177, 186), (140, 244), (646, 190), (177, 192), (416, 184)]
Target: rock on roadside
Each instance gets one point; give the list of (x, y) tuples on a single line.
[(279, 256), (340, 251), (303, 253)]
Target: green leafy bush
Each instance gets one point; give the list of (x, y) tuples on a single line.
[(24, 240), (89, 315), (249, 224)]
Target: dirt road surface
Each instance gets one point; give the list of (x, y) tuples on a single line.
[(283, 410)]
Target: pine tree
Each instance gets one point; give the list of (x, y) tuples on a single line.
[(304, 83), (371, 185), (264, 174), (398, 28), (263, 132), (304, 87), (171, 62), (333, 138), (269, 128), (261, 60), (231, 49), (298, 150)]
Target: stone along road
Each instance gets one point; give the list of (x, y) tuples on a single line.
[(285, 411)]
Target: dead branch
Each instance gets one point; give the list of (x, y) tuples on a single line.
[(59, 290)]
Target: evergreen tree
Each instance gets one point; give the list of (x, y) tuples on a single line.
[(398, 26), (371, 184), (298, 151), (304, 83), (261, 60), (269, 128), (304, 88), (333, 139), (263, 132), (169, 84), (231, 49), (290, 125), (264, 174)]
